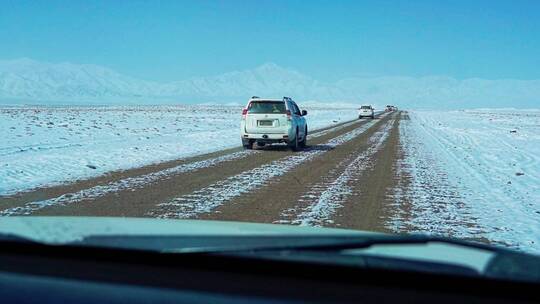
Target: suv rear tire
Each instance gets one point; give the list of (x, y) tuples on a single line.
[(295, 145), (303, 143), (248, 145)]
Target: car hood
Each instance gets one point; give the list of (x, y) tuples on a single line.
[(58, 230), (69, 229)]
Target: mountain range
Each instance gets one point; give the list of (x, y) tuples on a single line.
[(33, 82)]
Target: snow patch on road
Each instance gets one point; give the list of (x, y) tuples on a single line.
[(209, 198), (325, 198), (120, 185), (472, 174)]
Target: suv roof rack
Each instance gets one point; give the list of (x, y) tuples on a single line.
[(255, 97)]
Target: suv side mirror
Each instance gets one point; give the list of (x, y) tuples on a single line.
[(304, 112)]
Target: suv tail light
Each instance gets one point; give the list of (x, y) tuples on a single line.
[(289, 115), (244, 113)]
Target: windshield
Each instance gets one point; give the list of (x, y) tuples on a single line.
[(267, 107), (401, 118)]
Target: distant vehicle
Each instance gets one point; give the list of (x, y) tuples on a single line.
[(366, 111), (269, 121), (390, 108)]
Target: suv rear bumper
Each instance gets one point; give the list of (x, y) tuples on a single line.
[(265, 138), (366, 114)]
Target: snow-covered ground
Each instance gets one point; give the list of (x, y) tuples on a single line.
[(52, 145), (474, 174)]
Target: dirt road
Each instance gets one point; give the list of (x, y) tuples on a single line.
[(342, 179)]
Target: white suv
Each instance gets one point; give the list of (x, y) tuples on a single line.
[(268, 121), (366, 111)]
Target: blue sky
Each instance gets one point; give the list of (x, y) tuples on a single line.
[(328, 40)]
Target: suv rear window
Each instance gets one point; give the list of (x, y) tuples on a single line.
[(267, 107), (365, 107)]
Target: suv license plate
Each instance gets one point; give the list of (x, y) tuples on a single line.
[(266, 123)]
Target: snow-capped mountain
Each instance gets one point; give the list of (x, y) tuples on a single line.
[(30, 81), (266, 80), (445, 92), (34, 81)]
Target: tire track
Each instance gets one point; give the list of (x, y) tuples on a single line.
[(371, 203), (319, 204), (266, 204), (120, 185), (215, 195)]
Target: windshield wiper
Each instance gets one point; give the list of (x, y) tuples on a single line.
[(336, 245), (504, 264), (393, 240)]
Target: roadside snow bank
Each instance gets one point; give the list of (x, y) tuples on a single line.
[(473, 174)]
